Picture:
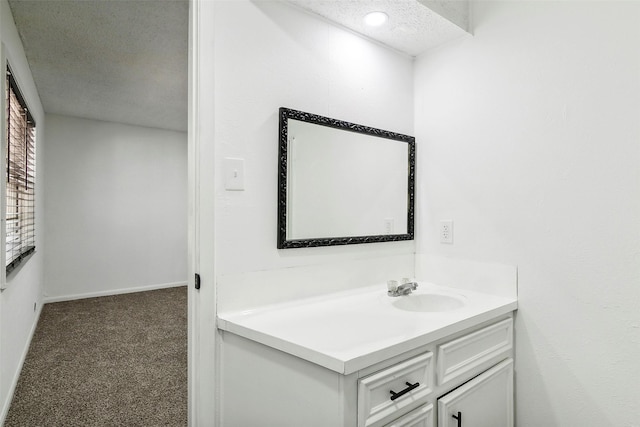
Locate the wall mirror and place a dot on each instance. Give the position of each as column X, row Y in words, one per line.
column 342, row 183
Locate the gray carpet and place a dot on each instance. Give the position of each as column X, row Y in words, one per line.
column 109, row 361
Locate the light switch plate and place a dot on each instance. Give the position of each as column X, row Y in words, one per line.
column 233, row 170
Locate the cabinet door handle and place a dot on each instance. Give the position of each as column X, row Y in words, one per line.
column 410, row 387
column 459, row 418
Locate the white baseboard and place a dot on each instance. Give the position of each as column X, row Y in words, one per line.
column 48, row 299
column 16, row 376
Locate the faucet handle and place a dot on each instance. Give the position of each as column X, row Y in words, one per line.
column 411, row 282
column 392, row 285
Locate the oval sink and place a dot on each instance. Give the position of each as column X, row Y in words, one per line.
column 428, row 302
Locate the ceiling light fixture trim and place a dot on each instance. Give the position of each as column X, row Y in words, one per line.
column 376, row 19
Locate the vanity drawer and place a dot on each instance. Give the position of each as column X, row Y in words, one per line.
column 421, row 417
column 411, row 383
column 471, row 354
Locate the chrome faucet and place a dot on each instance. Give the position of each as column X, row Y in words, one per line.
column 405, row 288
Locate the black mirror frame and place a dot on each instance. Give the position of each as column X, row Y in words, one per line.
column 283, row 243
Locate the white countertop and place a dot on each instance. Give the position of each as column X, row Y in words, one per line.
column 348, row 331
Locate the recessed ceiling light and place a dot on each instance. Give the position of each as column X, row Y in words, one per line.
column 376, row 19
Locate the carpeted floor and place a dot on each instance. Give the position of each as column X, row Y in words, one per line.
column 109, row 361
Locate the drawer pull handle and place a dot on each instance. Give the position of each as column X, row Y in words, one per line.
column 410, row 387
column 459, row 418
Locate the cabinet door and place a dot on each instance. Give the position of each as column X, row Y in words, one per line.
column 485, row 401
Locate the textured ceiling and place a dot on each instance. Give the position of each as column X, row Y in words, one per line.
column 126, row 60
column 413, row 26
column 120, row 61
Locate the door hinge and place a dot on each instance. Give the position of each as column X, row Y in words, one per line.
column 197, row 281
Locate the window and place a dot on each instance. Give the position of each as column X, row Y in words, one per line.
column 21, row 176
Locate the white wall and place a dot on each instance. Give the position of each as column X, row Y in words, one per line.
column 115, row 213
column 265, row 55
column 529, row 140
column 25, row 284
column 269, row 55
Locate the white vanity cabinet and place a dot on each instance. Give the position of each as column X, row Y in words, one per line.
column 468, row 371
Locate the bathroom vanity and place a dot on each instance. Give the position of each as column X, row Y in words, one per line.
column 437, row 357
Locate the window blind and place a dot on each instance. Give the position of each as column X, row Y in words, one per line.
column 21, row 177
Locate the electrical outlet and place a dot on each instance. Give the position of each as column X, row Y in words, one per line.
column 388, row 226
column 446, row 231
